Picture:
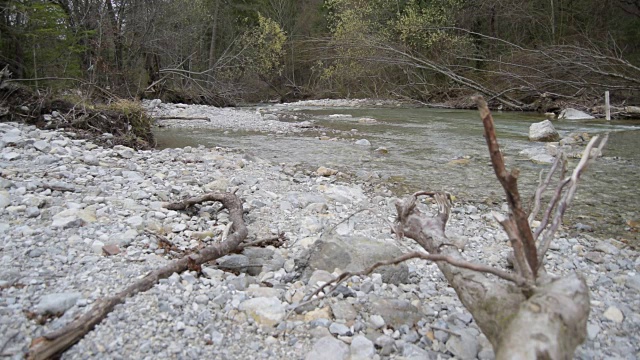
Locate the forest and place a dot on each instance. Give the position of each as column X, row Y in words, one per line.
column 523, row 55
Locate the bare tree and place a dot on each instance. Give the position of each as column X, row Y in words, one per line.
column 528, row 313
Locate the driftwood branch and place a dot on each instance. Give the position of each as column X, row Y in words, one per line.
column 537, row 318
column 588, row 156
column 181, row 118
column 509, row 182
column 55, row 343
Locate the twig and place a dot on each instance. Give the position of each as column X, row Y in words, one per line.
column 515, row 278
column 553, row 202
column 587, row 158
column 543, row 186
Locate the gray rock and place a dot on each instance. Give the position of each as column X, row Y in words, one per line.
column 376, row 321
column 464, row 347
column 361, row 348
column 354, row 254
column 363, row 142
column 344, row 311
column 47, row 159
column 61, row 186
column 10, row 156
column 543, row 159
column 234, row 262
column 339, row 329
column 413, row 352
column 57, row 303
column 179, row 228
column 264, row 310
column 328, row 348
column 592, row 331
column 614, row 314
column 90, row 160
column 543, row 131
column 42, row 145
column 136, row 222
column 574, row 114
column 4, row 199
column 123, row 151
column 607, row 248
column 66, row 222
column 32, row 212
column 132, row 175
column 396, row 312
column 633, row 282
column 344, row 194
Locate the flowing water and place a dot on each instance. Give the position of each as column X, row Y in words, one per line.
column 436, row 149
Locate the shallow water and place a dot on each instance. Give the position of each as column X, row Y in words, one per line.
column 422, row 142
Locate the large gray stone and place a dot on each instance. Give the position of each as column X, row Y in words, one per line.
column 464, row 347
column 543, row 131
column 396, row 312
column 57, row 303
column 361, row 348
column 328, row 348
column 574, row 114
column 4, row 199
column 355, row 253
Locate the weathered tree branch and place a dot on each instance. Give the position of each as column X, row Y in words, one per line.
column 509, row 183
column 55, row 343
column 572, row 182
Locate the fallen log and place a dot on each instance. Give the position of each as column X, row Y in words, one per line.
column 181, row 118
column 55, row 343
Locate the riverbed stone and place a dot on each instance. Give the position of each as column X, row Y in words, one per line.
column 354, row 253
column 57, row 303
column 465, row 346
column 574, row 114
column 324, row 171
column 264, row 310
column 543, row 131
column 328, row 348
column 396, row 312
column 5, row 200
column 614, row 314
column 361, row 348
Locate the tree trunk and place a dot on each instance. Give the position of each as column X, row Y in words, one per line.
column 214, row 35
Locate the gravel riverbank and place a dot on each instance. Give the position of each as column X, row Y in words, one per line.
column 79, row 222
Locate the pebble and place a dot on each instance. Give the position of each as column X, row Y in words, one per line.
column 614, row 314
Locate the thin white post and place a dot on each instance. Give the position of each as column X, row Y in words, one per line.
column 607, row 106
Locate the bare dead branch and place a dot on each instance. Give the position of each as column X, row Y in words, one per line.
column 543, row 186
column 509, row 182
column 587, row 157
column 515, row 278
column 181, row 118
column 54, row 343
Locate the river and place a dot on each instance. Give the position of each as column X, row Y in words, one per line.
column 438, row 149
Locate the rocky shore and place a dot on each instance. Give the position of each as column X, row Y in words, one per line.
column 79, row 222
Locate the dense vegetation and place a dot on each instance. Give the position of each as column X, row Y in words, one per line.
column 522, row 54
